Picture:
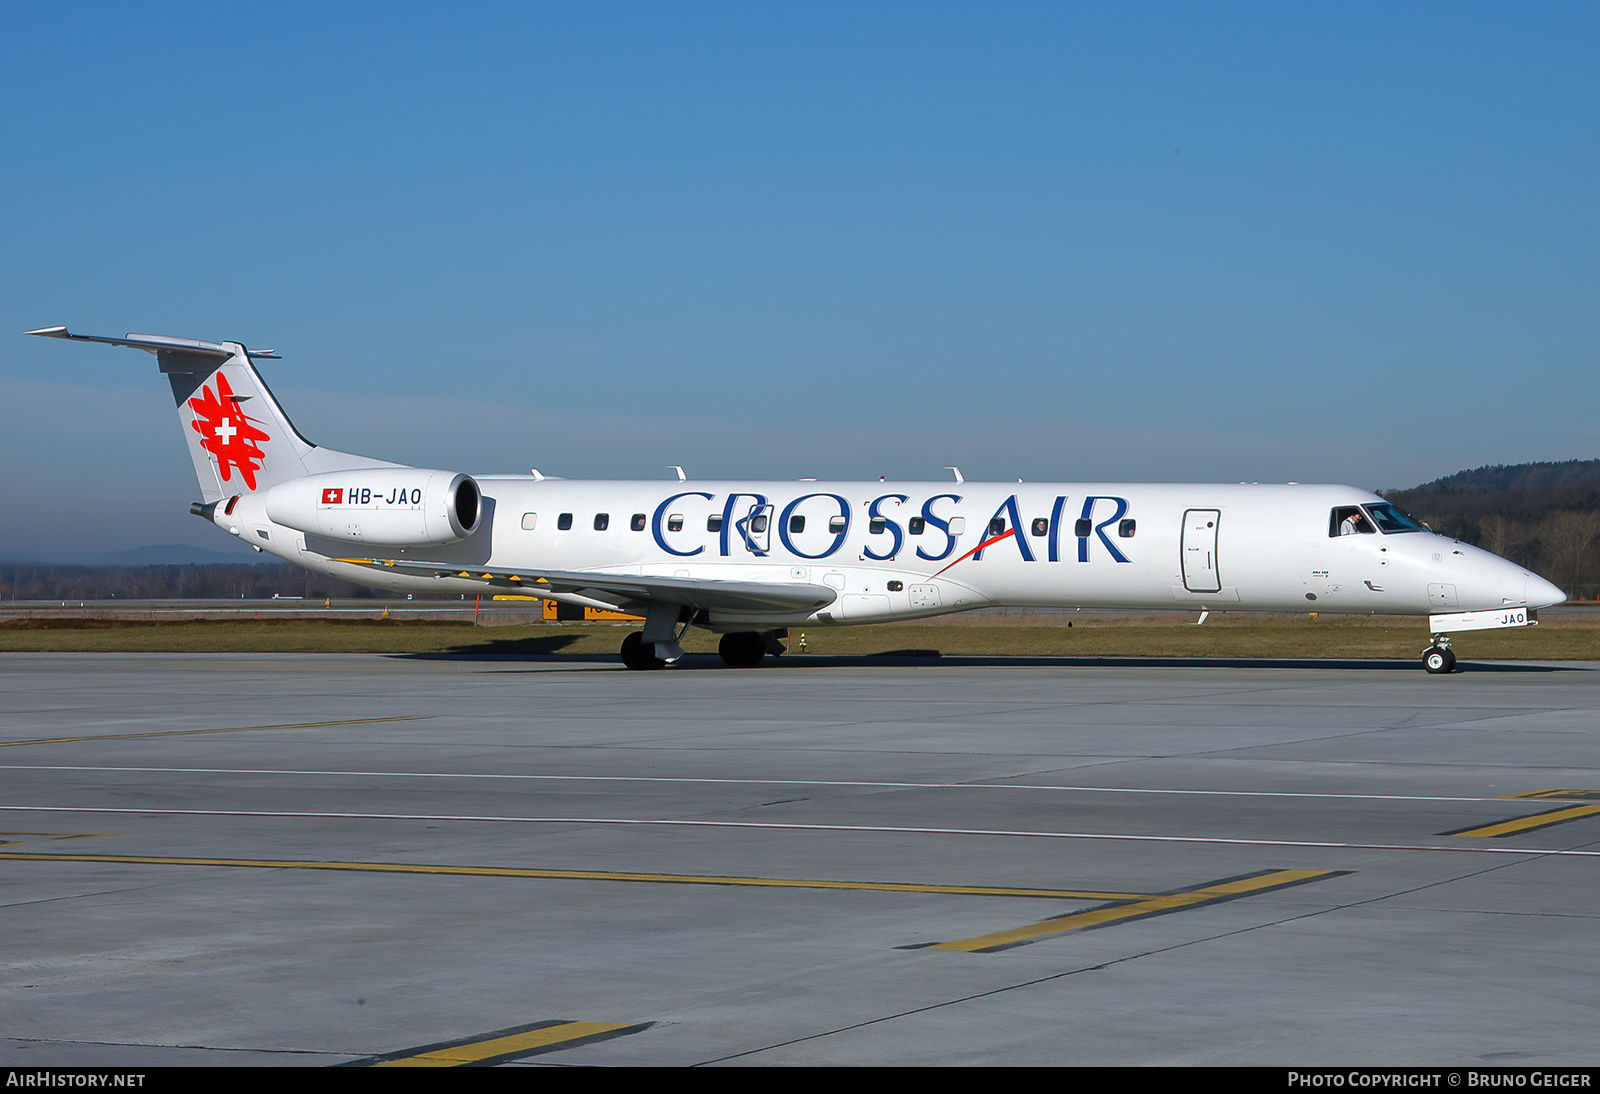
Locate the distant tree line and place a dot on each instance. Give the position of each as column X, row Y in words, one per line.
column 1545, row 516
column 209, row 581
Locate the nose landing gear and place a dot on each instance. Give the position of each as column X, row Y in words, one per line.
column 1439, row 658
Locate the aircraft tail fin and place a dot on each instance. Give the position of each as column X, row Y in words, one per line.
column 238, row 435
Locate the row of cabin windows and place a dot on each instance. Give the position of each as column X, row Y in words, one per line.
column 602, row 521
column 1082, row 528
column 1040, row 526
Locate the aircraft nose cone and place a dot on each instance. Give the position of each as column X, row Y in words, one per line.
column 1542, row 594
column 1491, row 582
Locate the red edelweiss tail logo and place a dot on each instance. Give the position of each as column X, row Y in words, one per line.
column 227, row 433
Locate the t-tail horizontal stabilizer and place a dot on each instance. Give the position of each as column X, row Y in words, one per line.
column 238, row 435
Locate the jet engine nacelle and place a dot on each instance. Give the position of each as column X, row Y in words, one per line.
column 395, row 507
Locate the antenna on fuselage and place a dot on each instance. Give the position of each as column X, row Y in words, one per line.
column 957, row 471
column 681, row 476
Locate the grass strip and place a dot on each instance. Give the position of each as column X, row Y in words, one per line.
column 1021, row 635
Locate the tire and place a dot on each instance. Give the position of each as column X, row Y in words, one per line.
column 1438, row 660
column 742, row 650
column 636, row 655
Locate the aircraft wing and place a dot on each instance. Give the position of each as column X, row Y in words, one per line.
column 624, row 591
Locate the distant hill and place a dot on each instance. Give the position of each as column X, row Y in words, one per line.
column 1523, row 491
column 1545, row 516
column 1517, row 476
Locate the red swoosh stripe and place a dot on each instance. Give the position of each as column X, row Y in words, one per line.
column 986, row 543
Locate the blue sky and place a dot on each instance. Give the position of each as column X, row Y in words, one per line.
column 1350, row 242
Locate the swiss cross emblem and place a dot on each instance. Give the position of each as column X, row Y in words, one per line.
column 333, row 495
column 227, row 433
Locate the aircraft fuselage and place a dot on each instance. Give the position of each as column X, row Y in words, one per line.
column 903, row 550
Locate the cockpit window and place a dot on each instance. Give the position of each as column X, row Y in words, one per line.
column 1349, row 520
column 1391, row 520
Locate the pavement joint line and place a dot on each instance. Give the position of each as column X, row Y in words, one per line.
column 884, row 784
column 582, row 875
column 47, row 837
column 195, row 732
column 502, row 1046
column 1128, row 837
column 1126, row 911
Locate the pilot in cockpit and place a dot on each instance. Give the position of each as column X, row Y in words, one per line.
column 1354, row 523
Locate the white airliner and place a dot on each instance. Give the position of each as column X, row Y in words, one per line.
column 749, row 560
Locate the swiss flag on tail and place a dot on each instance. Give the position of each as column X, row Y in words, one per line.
column 228, row 433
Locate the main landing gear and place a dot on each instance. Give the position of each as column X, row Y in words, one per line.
column 739, row 649
column 1439, row 658
column 637, row 655
column 742, row 649
column 747, row 649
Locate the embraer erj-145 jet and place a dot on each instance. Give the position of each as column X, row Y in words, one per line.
column 749, row 560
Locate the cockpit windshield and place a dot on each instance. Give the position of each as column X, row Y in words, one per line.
column 1391, row 520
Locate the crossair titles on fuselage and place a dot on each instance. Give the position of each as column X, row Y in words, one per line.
column 883, row 521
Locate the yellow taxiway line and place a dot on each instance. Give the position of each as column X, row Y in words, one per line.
column 502, row 1046
column 1137, row 908
column 1527, row 824
column 578, row 875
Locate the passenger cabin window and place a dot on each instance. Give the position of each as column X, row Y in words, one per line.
column 877, row 525
column 637, row 522
column 714, row 523
column 997, row 526
column 1083, row 527
column 675, row 522
column 1040, row 526
column 564, row 521
column 958, row 526
column 529, row 520
column 797, row 523
column 602, row 521
column 1126, row 528
column 915, row 525
column 835, row 524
